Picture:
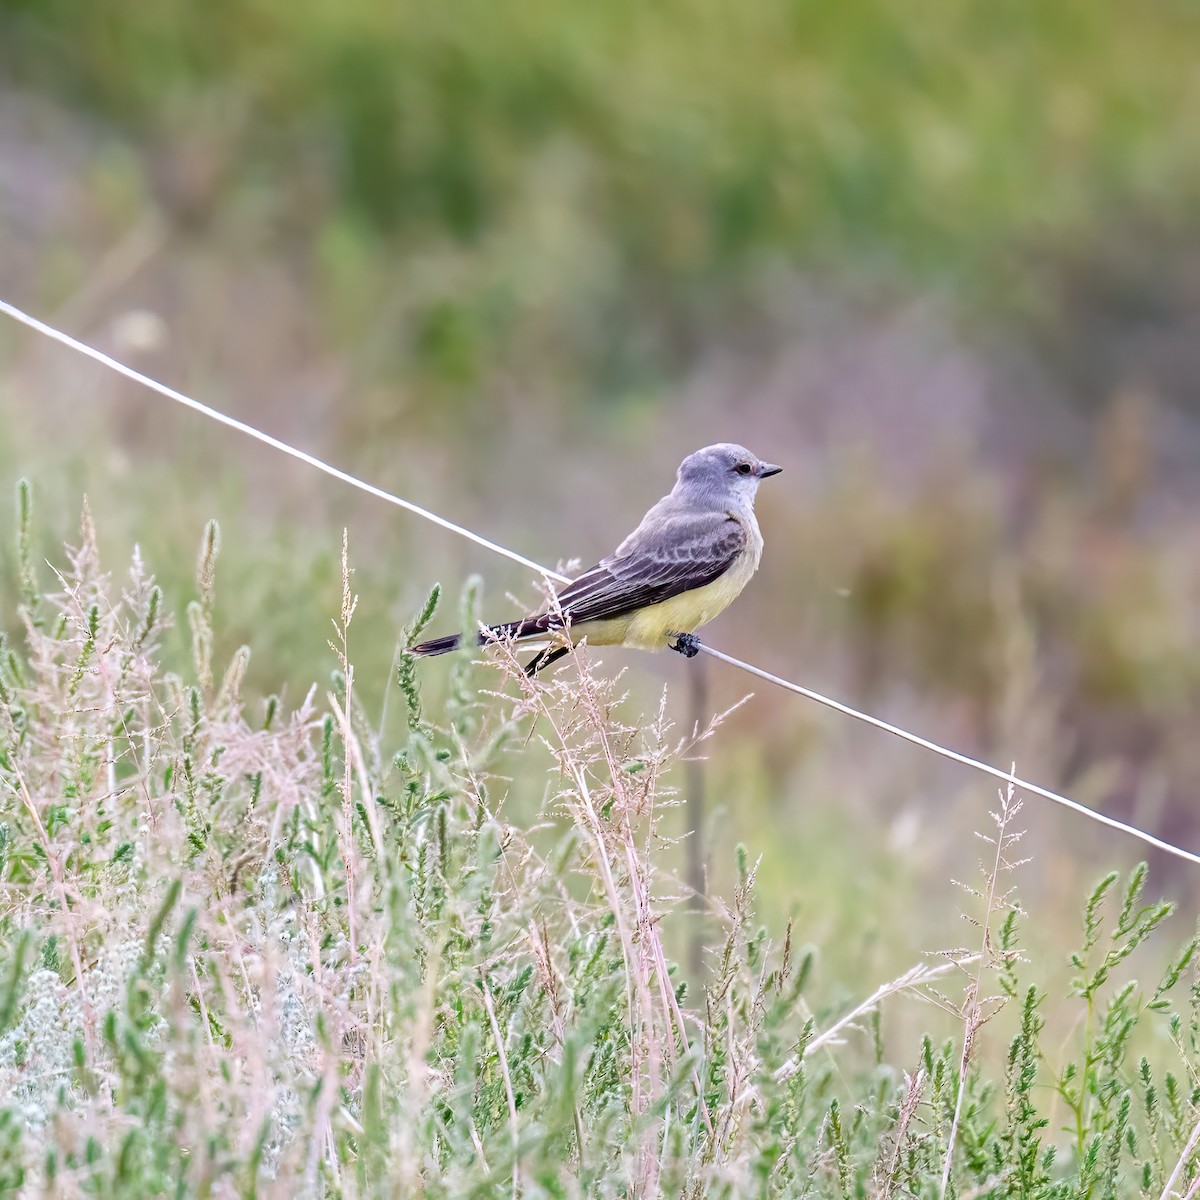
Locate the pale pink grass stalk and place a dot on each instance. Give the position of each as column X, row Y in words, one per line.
column 975, row 1014
column 913, row 980
column 1185, row 1156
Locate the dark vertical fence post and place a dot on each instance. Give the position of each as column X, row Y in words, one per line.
column 695, row 811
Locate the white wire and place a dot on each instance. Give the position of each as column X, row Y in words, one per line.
column 267, row 440
column 953, row 755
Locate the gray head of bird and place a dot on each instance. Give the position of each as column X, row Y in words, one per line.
column 723, row 474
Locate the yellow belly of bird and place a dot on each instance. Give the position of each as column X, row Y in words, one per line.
column 651, row 628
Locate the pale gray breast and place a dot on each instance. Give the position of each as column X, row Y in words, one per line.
column 754, row 539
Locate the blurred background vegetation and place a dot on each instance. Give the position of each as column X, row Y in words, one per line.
column 513, row 261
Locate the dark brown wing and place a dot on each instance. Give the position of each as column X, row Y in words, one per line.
column 664, row 556
column 663, row 559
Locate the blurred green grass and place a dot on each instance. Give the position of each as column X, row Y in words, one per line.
column 701, row 143
column 472, row 250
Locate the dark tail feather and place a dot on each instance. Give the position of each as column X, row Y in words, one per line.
column 515, row 629
column 544, row 658
column 442, row 645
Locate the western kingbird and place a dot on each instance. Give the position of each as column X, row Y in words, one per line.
column 689, row 558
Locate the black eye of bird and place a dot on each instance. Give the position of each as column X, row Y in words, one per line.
column 743, row 468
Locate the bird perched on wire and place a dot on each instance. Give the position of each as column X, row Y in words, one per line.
column 693, row 553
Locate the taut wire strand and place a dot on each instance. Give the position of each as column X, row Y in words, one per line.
column 267, row 440
column 113, row 364
column 953, row 755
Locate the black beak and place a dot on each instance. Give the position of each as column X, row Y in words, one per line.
column 768, row 469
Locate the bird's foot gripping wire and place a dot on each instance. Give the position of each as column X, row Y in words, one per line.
column 688, row 644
